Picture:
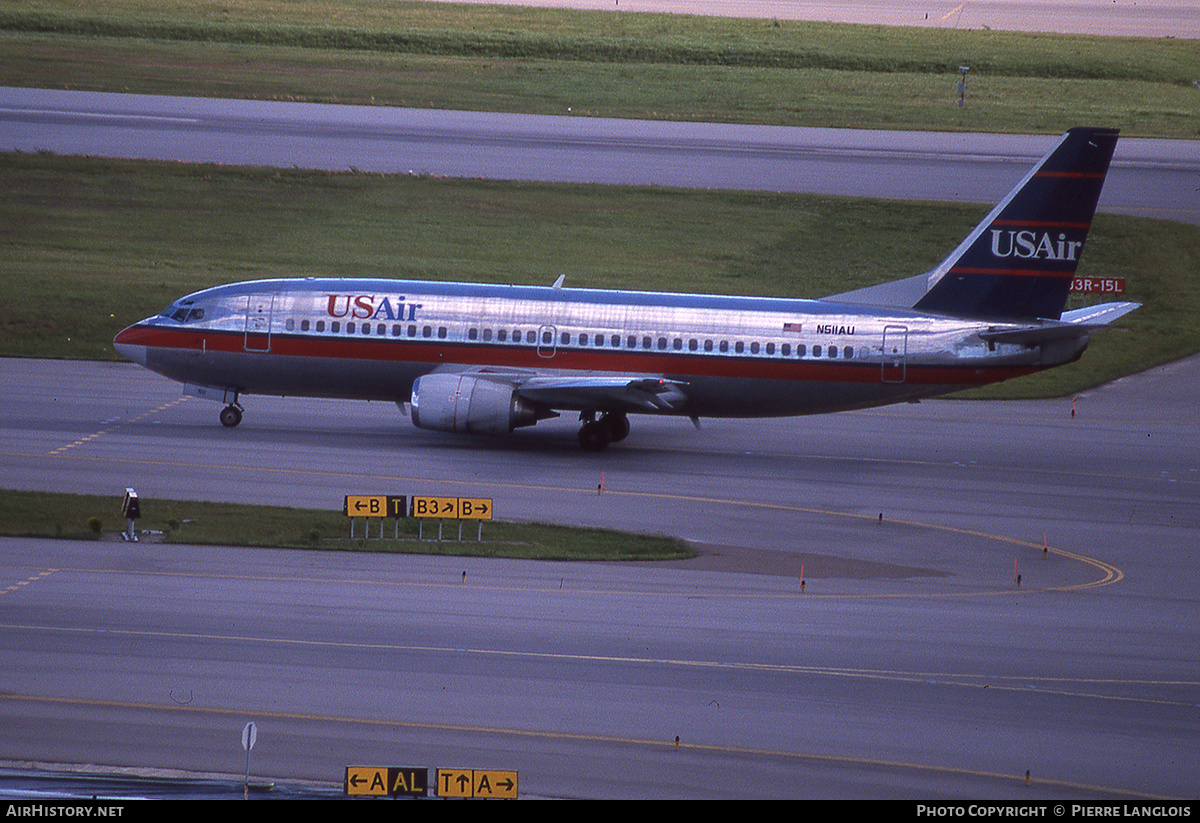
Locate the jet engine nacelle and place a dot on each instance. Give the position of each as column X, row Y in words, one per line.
column 461, row 403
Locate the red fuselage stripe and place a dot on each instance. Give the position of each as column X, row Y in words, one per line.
column 526, row 356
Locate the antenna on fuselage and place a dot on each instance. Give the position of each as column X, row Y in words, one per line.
column 558, row 284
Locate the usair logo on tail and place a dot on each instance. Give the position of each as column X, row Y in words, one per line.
column 1029, row 245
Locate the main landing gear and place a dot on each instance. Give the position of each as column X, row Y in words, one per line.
column 595, row 435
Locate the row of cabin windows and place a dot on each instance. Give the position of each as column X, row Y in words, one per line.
column 646, row 342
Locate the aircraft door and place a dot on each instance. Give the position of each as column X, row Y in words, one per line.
column 895, row 354
column 259, row 311
column 547, row 341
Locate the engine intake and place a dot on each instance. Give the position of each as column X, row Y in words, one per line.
column 461, row 403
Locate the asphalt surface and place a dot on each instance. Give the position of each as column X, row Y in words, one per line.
column 909, row 662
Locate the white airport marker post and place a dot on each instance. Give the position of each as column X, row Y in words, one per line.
column 249, row 736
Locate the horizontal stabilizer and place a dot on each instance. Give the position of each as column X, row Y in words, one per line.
column 1100, row 315
column 1075, row 324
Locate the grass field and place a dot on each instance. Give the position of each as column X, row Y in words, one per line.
column 503, row 58
column 84, row 517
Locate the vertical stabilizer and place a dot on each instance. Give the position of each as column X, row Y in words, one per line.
column 1019, row 262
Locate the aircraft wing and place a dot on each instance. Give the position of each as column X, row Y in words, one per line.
column 589, row 390
column 603, row 391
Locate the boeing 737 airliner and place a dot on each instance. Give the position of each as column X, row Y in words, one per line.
column 490, row 359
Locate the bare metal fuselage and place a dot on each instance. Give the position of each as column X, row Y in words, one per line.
column 729, row 356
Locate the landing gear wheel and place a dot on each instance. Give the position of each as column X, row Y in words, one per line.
column 618, row 426
column 231, row 416
column 594, row 436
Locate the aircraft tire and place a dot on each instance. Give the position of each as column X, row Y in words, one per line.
column 618, row 426
column 231, row 416
column 594, row 436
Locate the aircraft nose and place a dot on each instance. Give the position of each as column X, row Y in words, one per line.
column 127, row 346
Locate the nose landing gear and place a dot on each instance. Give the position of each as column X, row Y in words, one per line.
column 231, row 415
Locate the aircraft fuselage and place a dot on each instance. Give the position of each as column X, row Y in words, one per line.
column 737, row 356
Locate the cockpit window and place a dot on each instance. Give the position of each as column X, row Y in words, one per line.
column 185, row 313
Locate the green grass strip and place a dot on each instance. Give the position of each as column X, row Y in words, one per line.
column 91, row 517
column 541, row 34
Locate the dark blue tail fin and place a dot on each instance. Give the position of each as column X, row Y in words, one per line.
column 1019, row 262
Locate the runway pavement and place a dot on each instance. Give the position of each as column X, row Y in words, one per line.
column 910, row 664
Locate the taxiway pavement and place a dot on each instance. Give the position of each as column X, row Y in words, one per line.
column 910, row 664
